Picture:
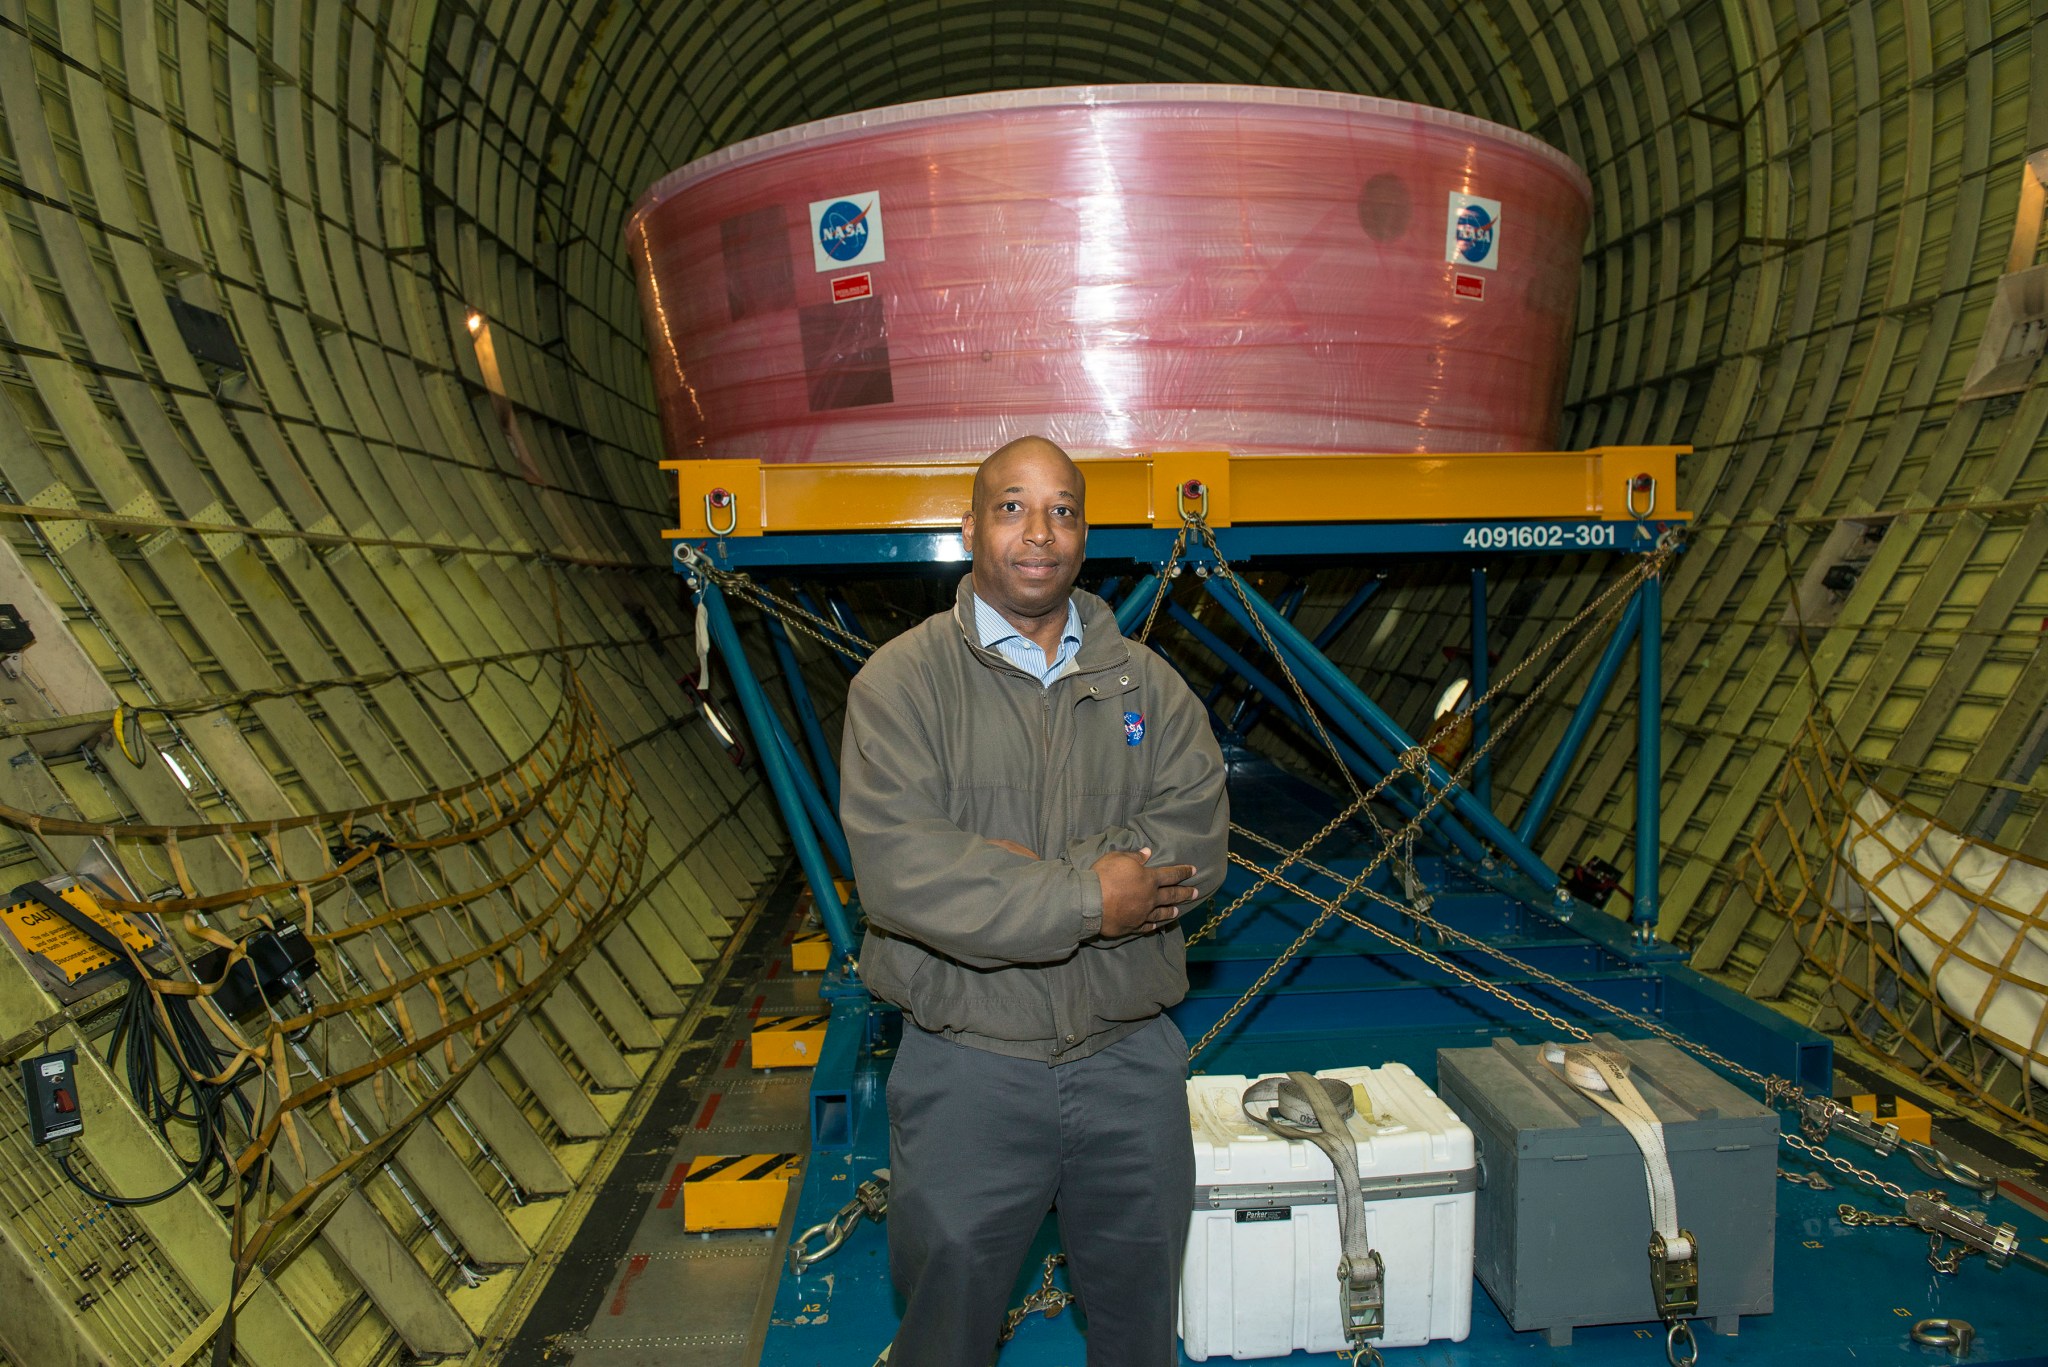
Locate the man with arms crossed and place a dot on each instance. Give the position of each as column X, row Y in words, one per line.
column 1032, row 802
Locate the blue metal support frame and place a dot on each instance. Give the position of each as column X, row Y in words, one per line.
column 1482, row 768
column 1290, row 604
column 1130, row 613
column 1648, row 903
column 839, row 655
column 806, row 711
column 1370, row 765
column 843, row 614
column 1305, row 658
column 1247, row 715
column 824, row 819
column 1581, row 723
column 770, row 742
column 1151, row 545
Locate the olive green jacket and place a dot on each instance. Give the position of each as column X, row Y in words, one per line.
column 948, row 745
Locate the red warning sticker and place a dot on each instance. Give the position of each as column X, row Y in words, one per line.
column 1466, row 286
column 847, row 288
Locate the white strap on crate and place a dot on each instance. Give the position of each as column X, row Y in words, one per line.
column 1602, row 1078
column 1302, row 1106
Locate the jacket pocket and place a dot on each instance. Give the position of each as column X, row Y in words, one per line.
column 1139, row 978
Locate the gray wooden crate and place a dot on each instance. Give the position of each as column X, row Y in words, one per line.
column 1563, row 1220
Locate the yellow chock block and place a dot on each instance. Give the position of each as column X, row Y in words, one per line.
column 807, row 905
column 810, row 953
column 738, row 1191
column 788, row 1041
column 1914, row 1123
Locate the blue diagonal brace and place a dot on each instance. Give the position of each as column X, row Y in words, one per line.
column 1369, row 765
column 761, row 722
column 1304, row 657
column 1581, row 724
column 806, row 711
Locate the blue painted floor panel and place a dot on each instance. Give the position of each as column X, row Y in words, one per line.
column 1843, row 1294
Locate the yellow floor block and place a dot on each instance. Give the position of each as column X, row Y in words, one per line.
column 788, row 1041
column 737, row 1191
column 1913, row 1123
column 810, row 953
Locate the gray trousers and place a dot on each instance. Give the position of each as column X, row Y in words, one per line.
column 981, row 1145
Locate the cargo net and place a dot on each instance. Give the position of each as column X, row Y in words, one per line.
column 437, row 923
column 1933, row 946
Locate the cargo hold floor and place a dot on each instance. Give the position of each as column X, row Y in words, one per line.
column 633, row 1289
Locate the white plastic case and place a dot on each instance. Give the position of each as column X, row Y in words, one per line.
column 1260, row 1278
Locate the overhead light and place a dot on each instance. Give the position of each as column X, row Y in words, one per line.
column 177, row 770
column 1452, row 696
column 475, row 322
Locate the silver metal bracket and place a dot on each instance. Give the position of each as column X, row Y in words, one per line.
column 1820, row 1116
column 1674, row 1282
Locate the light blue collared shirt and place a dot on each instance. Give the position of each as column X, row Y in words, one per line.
column 998, row 635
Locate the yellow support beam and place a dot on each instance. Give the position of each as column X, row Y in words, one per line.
column 750, row 498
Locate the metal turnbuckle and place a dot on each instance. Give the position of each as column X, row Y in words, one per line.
column 1819, row 1116
column 1364, row 1289
column 1954, row 1335
column 1674, row 1282
column 870, row 1201
column 1998, row 1243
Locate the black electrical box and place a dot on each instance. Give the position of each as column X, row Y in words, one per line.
column 15, row 636
column 278, row 960
column 51, row 1083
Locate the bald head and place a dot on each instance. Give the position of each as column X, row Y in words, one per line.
column 1035, row 452
column 1028, row 534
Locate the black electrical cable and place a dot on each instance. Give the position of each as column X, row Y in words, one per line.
column 140, row 1034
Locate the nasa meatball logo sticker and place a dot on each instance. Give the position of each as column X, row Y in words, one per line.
column 1134, row 727
column 847, row 230
column 1472, row 235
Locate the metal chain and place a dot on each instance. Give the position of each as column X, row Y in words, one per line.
column 1842, row 1165
column 1047, row 1300
column 1297, row 855
column 1229, row 577
column 870, row 1201
column 1652, row 564
column 1166, row 571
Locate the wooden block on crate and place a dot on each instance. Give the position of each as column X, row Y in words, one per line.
column 737, row 1191
column 788, row 1041
column 810, row 953
column 1913, row 1122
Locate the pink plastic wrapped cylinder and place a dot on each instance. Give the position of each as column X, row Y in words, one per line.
column 1122, row 268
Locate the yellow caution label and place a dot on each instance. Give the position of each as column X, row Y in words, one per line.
column 43, row 932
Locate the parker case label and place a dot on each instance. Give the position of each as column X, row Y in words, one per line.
column 1265, row 1215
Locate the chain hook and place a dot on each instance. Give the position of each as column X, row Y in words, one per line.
column 1680, row 1333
